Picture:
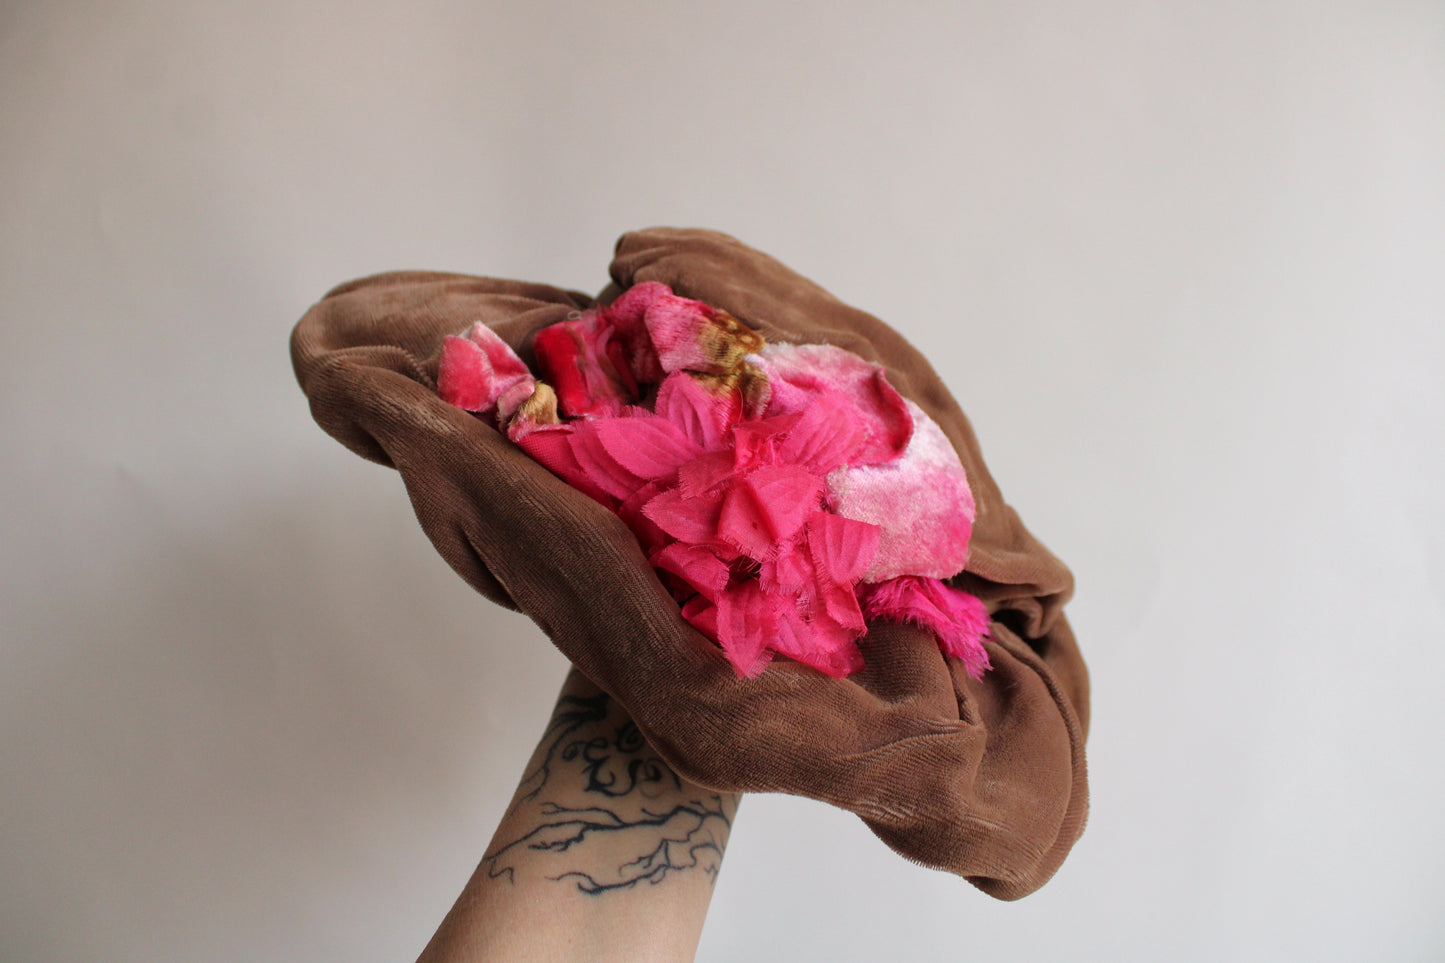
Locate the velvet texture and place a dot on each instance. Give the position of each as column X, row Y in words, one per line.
column 982, row 778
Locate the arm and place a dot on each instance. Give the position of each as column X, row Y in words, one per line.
column 604, row 852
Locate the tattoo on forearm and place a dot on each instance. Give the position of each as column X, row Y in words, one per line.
column 603, row 811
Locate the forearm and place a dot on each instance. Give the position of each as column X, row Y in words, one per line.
column 604, row 852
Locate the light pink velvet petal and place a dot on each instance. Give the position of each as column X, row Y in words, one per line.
column 513, row 398
column 921, row 503
column 479, row 369
column 504, row 361
column 648, row 446
column 630, row 308
column 799, row 373
column 960, row 620
column 465, row 377
column 676, row 326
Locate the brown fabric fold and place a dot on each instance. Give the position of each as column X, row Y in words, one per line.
column 985, row 779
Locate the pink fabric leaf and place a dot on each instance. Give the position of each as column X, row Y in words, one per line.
column 647, row 446
column 705, row 473
column 767, row 506
column 841, row 548
column 701, row 414
column 693, row 520
column 696, row 566
column 597, row 463
column 551, row 446
column 701, row 614
column 960, row 620
column 827, row 434
column 746, row 621
column 649, row 535
column 799, row 373
column 921, row 504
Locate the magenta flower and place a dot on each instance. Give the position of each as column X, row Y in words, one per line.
column 786, row 494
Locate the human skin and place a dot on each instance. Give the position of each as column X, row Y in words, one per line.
column 604, row 853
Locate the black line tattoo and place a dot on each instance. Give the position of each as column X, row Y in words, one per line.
column 600, row 792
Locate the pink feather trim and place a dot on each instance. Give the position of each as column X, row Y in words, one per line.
column 960, row 620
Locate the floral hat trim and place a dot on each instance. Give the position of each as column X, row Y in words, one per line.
column 786, row 494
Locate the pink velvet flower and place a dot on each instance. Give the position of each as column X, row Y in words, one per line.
column 787, row 494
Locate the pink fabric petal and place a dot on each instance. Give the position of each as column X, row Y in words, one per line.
column 631, row 511
column 696, row 566
column 745, row 620
column 756, row 442
column 647, row 446
column 706, row 473
column 960, row 620
column 828, row 434
column 840, row 603
column 921, row 504
column 597, row 463
column 551, row 446
column 767, row 506
column 615, row 351
column 841, row 548
column 801, row 372
column 829, row 648
column 703, row 416
column 693, row 520
column 701, row 615
column 790, row 572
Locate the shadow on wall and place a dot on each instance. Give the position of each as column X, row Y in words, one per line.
column 248, row 706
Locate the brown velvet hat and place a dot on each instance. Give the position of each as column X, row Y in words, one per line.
column 983, row 778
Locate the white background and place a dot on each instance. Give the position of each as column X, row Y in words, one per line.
column 1181, row 263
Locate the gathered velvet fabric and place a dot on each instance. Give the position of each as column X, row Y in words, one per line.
column 983, row 778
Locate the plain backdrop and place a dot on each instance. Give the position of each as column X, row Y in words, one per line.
column 1182, row 263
